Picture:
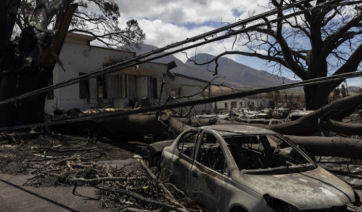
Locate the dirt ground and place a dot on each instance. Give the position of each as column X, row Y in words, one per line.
column 15, row 197
column 19, row 158
column 38, row 174
column 31, row 171
column 68, row 173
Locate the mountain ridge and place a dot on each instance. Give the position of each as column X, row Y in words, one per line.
column 230, row 72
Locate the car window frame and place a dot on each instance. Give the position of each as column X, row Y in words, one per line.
column 299, row 150
column 257, row 139
column 196, row 142
column 285, row 139
column 197, row 150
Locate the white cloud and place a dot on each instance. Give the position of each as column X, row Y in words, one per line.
column 185, row 11
column 357, row 82
column 165, row 22
column 159, row 33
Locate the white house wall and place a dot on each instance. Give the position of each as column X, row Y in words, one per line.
column 188, row 87
column 52, row 104
column 78, row 57
column 142, row 87
column 159, row 70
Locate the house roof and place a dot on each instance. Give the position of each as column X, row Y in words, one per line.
column 76, row 36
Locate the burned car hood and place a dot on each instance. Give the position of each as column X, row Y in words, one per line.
column 314, row 189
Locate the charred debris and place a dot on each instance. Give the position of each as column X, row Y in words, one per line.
column 88, row 153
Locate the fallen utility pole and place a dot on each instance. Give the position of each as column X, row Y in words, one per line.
column 194, row 102
column 136, row 60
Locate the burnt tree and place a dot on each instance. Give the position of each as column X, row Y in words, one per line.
column 27, row 58
column 322, row 41
column 167, row 125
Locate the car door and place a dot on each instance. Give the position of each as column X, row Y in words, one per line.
column 208, row 172
column 182, row 160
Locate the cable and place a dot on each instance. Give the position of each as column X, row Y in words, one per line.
column 136, row 60
column 194, row 102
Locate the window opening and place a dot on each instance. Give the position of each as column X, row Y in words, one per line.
column 263, row 152
column 154, row 87
column 233, row 104
column 84, row 88
column 211, row 154
column 101, row 87
column 187, row 143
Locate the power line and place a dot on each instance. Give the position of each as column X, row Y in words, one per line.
column 194, row 102
column 136, row 60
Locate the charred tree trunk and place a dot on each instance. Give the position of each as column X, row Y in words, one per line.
column 8, row 11
column 315, row 98
column 133, row 124
column 330, row 146
column 325, row 146
column 28, row 64
column 320, row 146
column 162, row 125
column 153, row 123
column 321, row 120
column 26, row 111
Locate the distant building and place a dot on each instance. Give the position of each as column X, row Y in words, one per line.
column 125, row 88
column 244, row 103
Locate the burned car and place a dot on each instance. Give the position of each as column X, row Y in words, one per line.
column 243, row 168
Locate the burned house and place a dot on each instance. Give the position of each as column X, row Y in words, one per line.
column 124, row 88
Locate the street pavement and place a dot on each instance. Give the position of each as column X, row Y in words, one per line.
column 14, row 197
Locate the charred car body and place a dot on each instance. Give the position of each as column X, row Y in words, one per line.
column 243, row 168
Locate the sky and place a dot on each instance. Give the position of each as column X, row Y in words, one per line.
column 166, row 22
